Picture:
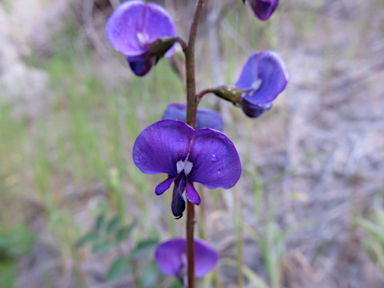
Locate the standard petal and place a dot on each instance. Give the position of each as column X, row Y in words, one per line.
column 125, row 28
column 192, row 195
column 205, row 258
column 178, row 202
column 249, row 72
column 169, row 256
column 215, row 160
column 263, row 9
column 160, row 146
column 158, row 23
column 205, row 118
column 176, row 111
column 254, row 111
column 164, row 186
column 264, row 76
column 141, row 65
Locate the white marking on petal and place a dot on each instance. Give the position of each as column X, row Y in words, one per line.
column 180, row 166
column 142, row 38
column 256, row 84
column 185, row 166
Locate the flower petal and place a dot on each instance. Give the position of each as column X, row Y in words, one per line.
column 205, row 258
column 263, row 9
column 171, row 257
column 142, row 64
column 168, row 256
column 160, row 146
column 134, row 24
column 159, row 24
column 164, row 186
column 264, row 76
column 254, row 111
column 178, row 202
column 205, row 118
column 215, row 160
column 126, row 26
column 192, row 195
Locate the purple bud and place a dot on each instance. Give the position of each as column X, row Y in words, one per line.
column 254, row 111
column 263, row 78
column 171, row 257
column 131, row 29
column 263, row 9
column 141, row 65
column 205, row 118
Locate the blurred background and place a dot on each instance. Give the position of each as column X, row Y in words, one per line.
column 308, row 209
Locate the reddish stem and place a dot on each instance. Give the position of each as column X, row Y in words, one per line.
column 191, row 120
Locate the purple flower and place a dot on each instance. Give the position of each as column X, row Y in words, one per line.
column 264, row 76
column 132, row 28
column 263, row 9
column 171, row 257
column 205, row 156
column 204, row 119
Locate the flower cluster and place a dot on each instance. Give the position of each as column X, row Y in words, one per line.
column 144, row 33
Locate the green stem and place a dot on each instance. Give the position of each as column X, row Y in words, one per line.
column 228, row 93
column 191, row 120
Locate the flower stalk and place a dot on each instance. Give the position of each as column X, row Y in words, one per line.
column 191, row 120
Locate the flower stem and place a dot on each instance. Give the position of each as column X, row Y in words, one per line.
column 191, row 120
column 190, row 67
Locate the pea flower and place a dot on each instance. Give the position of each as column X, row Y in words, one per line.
column 264, row 76
column 171, row 257
column 205, row 118
column 133, row 30
column 205, row 156
column 263, row 9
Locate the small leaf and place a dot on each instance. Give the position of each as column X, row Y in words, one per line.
column 118, row 268
column 8, row 274
column 17, row 242
column 99, row 221
column 150, row 275
column 144, row 248
column 102, row 247
column 87, row 238
column 124, row 232
column 113, row 225
column 176, row 284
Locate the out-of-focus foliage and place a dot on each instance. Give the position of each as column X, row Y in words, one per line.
column 13, row 244
column 374, row 242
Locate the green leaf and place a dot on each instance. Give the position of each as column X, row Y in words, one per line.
column 8, row 274
column 144, row 248
column 123, row 233
column 118, row 268
column 176, row 284
column 16, row 242
column 102, row 247
column 100, row 221
column 113, row 225
column 91, row 237
column 150, row 275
